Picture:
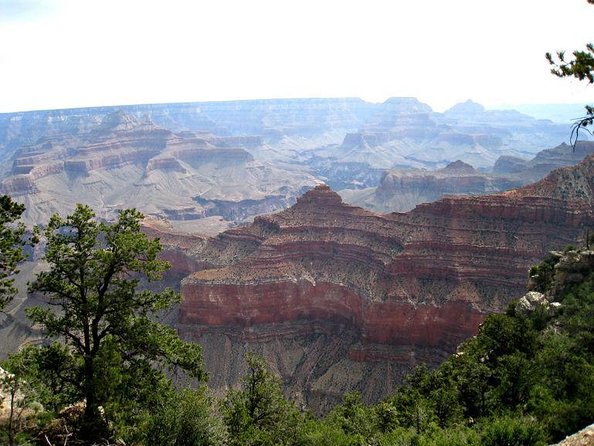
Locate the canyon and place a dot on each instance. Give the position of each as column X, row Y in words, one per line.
column 339, row 298
column 126, row 162
column 336, row 297
column 222, row 163
column 400, row 190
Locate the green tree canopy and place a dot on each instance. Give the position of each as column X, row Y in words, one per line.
column 11, row 246
column 581, row 67
column 258, row 413
column 95, row 304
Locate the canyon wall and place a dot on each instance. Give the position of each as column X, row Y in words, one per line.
column 124, row 161
column 378, row 293
column 400, row 190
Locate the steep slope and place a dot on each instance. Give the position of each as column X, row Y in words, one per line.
column 544, row 161
column 400, row 190
column 341, row 298
column 404, row 132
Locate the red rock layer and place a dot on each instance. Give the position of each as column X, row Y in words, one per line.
column 420, row 280
column 394, row 323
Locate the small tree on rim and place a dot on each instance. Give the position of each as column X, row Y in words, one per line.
column 92, row 285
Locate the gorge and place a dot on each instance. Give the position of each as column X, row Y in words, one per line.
column 338, row 298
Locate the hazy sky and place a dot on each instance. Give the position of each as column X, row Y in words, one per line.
column 60, row 53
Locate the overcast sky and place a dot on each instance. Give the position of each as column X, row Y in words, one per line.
column 60, row 53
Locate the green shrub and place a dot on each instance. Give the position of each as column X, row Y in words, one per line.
column 512, row 431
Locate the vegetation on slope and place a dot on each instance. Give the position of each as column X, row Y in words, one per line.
column 527, row 378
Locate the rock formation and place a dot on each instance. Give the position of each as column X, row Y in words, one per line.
column 401, row 132
column 543, row 162
column 341, row 298
column 400, row 190
column 125, row 161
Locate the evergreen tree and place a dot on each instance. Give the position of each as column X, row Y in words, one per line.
column 11, row 246
column 581, row 66
column 258, row 413
column 95, row 305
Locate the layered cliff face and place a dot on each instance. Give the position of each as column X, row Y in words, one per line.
column 543, row 162
column 128, row 162
column 341, row 298
column 400, row 190
column 345, row 142
column 406, row 133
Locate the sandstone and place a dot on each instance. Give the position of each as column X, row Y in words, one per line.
column 400, row 190
column 415, row 282
column 126, row 161
column 585, row 437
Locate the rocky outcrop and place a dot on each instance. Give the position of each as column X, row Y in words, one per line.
column 400, row 190
column 544, row 161
column 585, row 437
column 394, row 285
column 510, row 165
column 243, row 209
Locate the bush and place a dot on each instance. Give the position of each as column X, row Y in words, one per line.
column 187, row 419
column 508, row 431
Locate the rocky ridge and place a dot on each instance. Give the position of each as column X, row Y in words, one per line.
column 319, row 132
column 325, row 289
column 128, row 162
column 406, row 133
column 400, row 190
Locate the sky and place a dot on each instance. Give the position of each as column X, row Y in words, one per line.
column 77, row 53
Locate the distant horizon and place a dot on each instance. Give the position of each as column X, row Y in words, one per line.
column 530, row 109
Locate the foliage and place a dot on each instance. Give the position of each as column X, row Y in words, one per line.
column 11, row 246
column 187, row 418
column 258, row 413
column 512, row 431
column 581, row 67
column 542, row 274
column 354, row 418
column 51, row 371
column 118, row 353
column 20, row 398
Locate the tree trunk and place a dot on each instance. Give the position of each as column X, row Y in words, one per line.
column 11, row 433
column 93, row 426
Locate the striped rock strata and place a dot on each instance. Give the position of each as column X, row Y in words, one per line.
column 340, row 298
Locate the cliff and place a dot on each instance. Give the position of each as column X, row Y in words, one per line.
column 329, row 136
column 400, row 190
column 543, row 162
column 342, row 298
column 407, row 133
column 125, row 161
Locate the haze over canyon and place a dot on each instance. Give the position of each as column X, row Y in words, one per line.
column 346, row 241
